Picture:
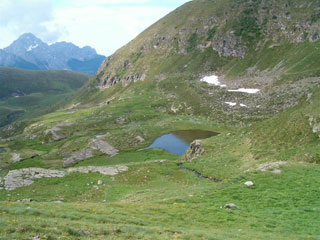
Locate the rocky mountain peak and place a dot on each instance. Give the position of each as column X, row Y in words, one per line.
column 29, row 52
column 24, row 44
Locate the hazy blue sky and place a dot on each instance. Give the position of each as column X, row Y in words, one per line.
column 105, row 25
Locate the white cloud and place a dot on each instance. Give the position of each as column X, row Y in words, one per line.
column 103, row 24
column 107, row 29
column 18, row 17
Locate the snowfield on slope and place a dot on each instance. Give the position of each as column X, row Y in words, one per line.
column 213, row 79
column 246, row 90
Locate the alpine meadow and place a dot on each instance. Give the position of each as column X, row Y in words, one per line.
column 237, row 81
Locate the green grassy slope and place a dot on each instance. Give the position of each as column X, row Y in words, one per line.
column 276, row 132
column 25, row 94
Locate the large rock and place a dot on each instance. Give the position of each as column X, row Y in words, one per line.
column 78, row 156
column 139, row 139
column 109, row 171
column 230, row 206
column 24, row 177
column 103, row 147
column 94, row 144
column 194, row 151
column 15, row 157
column 249, row 183
column 53, row 132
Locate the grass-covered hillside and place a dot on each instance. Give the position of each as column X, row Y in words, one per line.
column 25, row 94
column 80, row 172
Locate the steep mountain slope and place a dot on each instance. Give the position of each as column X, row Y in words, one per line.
column 263, row 102
column 253, row 44
column 226, row 33
column 60, row 55
column 25, row 94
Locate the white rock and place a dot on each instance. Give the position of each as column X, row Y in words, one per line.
column 230, row 206
column 249, row 184
column 140, row 139
column 100, row 182
column 15, row 157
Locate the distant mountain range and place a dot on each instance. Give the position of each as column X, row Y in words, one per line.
column 29, row 52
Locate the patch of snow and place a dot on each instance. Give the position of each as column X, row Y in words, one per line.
column 32, row 47
column 246, row 90
column 231, row 103
column 213, row 80
column 243, row 105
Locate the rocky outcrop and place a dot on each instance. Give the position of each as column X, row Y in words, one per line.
column 272, row 167
column 24, row 177
column 194, row 151
column 120, row 120
column 109, row 171
column 87, row 152
column 315, row 125
column 103, row 147
column 121, row 72
column 228, row 45
column 139, row 139
column 15, row 157
column 53, row 132
column 78, row 156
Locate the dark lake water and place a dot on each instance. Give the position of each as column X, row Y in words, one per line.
column 177, row 142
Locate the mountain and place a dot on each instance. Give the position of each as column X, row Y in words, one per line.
column 29, row 52
column 245, row 70
column 7, row 59
column 26, row 94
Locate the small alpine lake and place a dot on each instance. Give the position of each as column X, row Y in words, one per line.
column 177, row 142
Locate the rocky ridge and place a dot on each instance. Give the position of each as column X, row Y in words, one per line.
column 25, row 177
column 229, row 34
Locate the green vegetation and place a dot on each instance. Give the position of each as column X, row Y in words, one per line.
column 272, row 139
column 247, row 27
column 211, row 33
column 25, row 94
column 192, row 42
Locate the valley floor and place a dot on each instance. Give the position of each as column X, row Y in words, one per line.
column 155, row 198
